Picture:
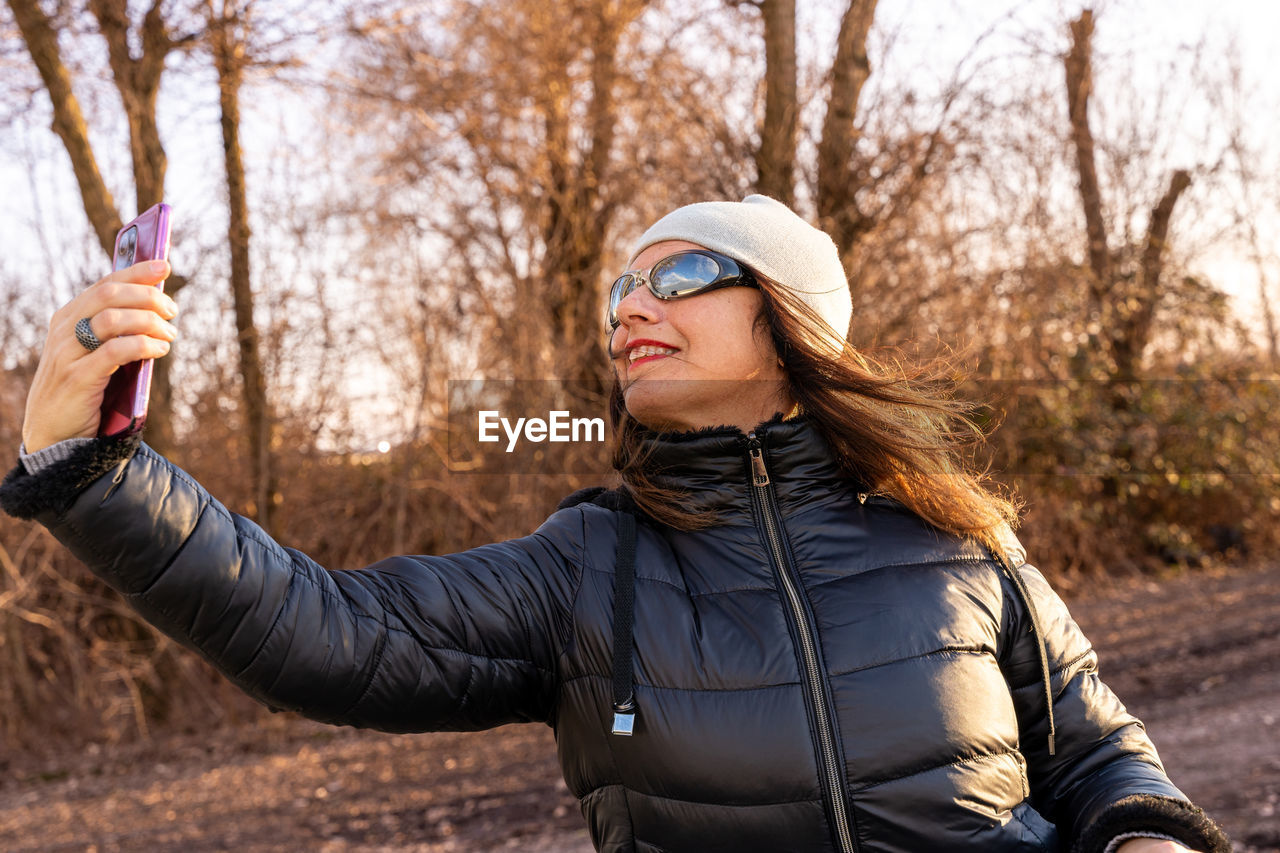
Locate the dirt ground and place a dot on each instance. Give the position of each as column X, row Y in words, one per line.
column 1197, row 656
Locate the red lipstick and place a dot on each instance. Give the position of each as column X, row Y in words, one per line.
column 641, row 342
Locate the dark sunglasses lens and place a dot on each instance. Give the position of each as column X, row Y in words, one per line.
column 683, row 274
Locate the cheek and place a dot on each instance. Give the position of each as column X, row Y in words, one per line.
column 764, row 346
column 616, row 359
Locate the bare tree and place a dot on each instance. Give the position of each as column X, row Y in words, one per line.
column 861, row 185
column 1079, row 68
column 41, row 38
column 776, row 156
column 578, row 213
column 838, row 178
column 1125, row 283
column 228, row 20
column 837, row 181
column 530, row 128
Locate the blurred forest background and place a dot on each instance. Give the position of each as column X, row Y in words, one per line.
column 372, row 199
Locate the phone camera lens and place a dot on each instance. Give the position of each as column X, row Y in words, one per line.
column 127, row 251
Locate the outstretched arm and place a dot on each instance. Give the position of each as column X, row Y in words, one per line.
column 464, row 641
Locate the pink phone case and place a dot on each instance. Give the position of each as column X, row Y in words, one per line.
column 124, row 404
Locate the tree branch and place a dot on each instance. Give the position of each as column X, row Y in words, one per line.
column 1134, row 330
column 68, row 121
column 138, row 82
column 1158, row 230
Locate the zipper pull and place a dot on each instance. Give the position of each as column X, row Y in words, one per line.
column 115, row 481
column 759, row 473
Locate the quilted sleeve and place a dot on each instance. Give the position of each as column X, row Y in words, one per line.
column 1104, row 778
column 414, row 643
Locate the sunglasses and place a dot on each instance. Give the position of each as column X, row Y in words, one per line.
column 679, row 275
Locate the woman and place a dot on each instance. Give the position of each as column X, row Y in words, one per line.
column 740, row 649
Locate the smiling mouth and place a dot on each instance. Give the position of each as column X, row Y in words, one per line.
column 647, row 352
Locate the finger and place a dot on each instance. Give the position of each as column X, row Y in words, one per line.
column 146, row 273
column 143, row 272
column 124, row 350
column 118, row 294
column 132, row 287
column 118, row 322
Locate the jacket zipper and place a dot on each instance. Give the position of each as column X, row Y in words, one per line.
column 115, row 481
column 832, row 781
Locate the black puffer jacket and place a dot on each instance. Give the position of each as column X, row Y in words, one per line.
column 815, row 673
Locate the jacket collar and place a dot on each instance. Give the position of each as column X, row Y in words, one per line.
column 713, row 465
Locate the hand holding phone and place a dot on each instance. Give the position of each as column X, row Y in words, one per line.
column 127, row 316
column 124, row 403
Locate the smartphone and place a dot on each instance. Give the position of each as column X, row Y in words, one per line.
column 124, row 405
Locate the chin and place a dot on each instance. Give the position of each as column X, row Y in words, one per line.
column 656, row 407
column 657, row 419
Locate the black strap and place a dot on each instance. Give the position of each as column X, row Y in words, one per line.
column 624, row 604
column 624, row 599
column 1037, row 633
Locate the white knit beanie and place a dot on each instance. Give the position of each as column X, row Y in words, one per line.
column 771, row 239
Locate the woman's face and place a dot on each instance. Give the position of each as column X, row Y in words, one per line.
column 698, row 361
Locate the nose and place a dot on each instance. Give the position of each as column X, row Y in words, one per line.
column 639, row 306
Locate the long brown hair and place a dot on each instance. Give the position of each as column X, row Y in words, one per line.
column 893, row 426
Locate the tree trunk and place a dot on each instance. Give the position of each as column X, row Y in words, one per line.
column 1269, row 320
column 775, row 158
column 228, row 48
column 138, row 82
column 577, row 216
column 1123, row 305
column 68, row 122
column 1079, row 68
column 837, row 183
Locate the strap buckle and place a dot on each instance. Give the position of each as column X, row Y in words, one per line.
column 624, row 719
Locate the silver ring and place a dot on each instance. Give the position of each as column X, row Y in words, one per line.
column 85, row 335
